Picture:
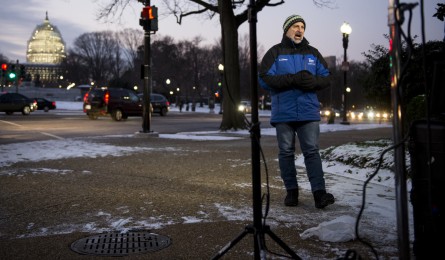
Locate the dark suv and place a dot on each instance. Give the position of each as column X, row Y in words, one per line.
column 159, row 103
column 118, row 102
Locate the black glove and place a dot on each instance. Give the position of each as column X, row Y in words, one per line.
column 304, row 80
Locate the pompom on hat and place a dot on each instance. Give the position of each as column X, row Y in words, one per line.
column 291, row 20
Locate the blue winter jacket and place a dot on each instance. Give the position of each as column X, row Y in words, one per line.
column 293, row 94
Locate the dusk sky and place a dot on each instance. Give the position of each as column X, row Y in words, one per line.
column 368, row 19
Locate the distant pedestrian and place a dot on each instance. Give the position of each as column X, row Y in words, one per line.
column 181, row 104
column 292, row 71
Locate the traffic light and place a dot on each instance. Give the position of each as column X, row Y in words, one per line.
column 11, row 73
column 149, row 18
column 4, row 69
column 22, row 72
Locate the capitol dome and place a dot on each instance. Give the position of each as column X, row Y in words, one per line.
column 46, row 45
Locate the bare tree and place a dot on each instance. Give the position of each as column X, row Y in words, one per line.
column 3, row 58
column 99, row 52
column 74, row 69
column 167, row 63
column 117, row 64
column 130, row 40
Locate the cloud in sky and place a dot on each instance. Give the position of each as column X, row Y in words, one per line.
column 368, row 19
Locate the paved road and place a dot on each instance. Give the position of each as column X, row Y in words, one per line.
column 60, row 124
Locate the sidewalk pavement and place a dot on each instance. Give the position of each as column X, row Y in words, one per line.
column 197, row 193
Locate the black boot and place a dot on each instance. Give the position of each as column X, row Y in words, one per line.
column 291, row 199
column 322, row 199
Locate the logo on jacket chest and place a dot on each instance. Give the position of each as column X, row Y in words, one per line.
column 311, row 62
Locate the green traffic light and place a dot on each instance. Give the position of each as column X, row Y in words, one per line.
column 11, row 75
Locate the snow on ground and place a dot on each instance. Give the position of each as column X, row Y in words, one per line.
column 346, row 180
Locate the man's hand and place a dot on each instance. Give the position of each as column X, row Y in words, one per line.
column 305, row 81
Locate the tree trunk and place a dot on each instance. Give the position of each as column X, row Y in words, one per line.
column 232, row 119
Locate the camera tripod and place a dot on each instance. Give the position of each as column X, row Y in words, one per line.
column 257, row 229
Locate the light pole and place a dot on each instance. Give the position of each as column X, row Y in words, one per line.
column 178, row 99
column 345, row 30
column 221, row 72
column 167, row 82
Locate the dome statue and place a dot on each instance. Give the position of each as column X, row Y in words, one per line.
column 46, row 45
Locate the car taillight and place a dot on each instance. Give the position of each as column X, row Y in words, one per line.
column 107, row 98
column 168, row 103
column 85, row 98
column 53, row 103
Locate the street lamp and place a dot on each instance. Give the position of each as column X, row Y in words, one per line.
column 345, row 30
column 168, row 81
column 178, row 101
column 221, row 72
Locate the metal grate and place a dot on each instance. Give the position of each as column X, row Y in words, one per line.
column 120, row 244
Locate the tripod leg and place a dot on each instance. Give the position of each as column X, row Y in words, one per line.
column 281, row 243
column 232, row 243
column 260, row 245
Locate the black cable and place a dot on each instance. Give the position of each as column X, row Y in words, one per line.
column 250, row 128
column 266, row 196
column 428, row 91
column 410, row 46
column 364, row 194
column 401, row 8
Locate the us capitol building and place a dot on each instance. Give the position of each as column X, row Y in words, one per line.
column 44, row 56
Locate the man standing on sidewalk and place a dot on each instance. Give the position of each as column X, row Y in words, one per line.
column 292, row 71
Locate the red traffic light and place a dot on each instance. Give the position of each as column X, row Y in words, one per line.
column 149, row 18
column 147, row 13
column 4, row 66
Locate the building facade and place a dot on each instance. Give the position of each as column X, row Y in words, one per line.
column 45, row 53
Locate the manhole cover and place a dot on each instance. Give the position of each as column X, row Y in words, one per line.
column 120, row 244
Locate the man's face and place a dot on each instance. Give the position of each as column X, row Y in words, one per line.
column 296, row 32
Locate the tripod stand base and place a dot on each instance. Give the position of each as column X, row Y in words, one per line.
column 259, row 242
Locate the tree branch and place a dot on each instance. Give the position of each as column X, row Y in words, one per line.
column 260, row 4
column 275, row 4
column 179, row 12
column 113, row 8
column 179, row 19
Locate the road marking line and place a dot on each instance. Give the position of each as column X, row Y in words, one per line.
column 11, row 123
column 51, row 135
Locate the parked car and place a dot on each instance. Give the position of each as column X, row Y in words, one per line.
column 15, row 102
column 245, row 107
column 119, row 103
column 159, row 103
column 45, row 104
